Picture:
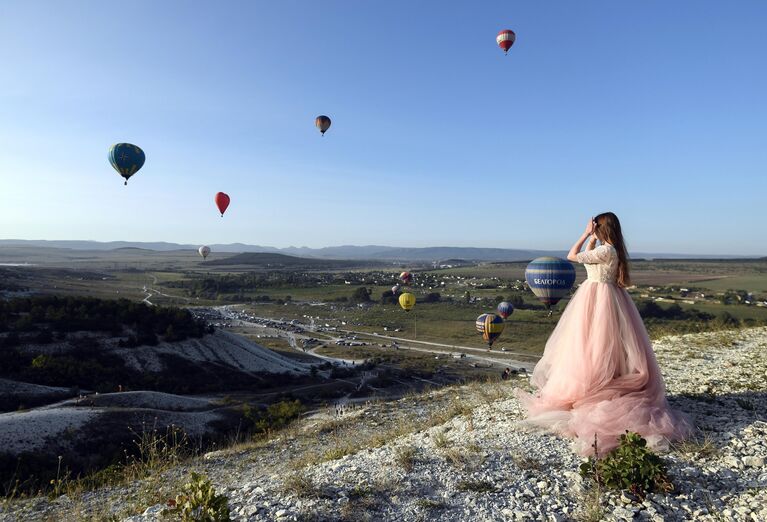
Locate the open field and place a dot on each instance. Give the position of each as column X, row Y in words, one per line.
column 714, row 275
column 325, row 297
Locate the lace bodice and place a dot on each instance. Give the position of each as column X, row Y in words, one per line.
column 601, row 264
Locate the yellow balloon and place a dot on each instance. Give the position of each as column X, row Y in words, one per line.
column 407, row 301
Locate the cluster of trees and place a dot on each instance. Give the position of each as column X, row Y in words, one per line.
column 7, row 283
column 652, row 310
column 43, row 319
column 388, row 297
column 518, row 301
column 89, row 367
column 273, row 417
column 211, row 287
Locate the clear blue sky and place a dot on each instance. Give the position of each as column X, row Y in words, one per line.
column 656, row 110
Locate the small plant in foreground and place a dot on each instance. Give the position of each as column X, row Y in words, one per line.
column 700, row 446
column 441, row 440
column 429, row 504
column 406, row 457
column 199, row 502
column 59, row 483
column 527, row 462
column 478, row 486
column 630, row 466
column 590, row 508
column 300, row 485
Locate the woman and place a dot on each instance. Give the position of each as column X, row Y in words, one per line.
column 598, row 374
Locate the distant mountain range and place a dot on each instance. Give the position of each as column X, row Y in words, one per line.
column 351, row 252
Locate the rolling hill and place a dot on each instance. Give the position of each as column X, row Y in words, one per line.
column 270, row 260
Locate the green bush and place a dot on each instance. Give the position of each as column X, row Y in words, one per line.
column 199, row 502
column 361, row 295
column 728, row 320
column 631, row 466
column 273, row 417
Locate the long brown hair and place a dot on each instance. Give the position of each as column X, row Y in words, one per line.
column 608, row 229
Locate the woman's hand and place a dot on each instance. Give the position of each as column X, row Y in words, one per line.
column 590, row 227
column 573, row 254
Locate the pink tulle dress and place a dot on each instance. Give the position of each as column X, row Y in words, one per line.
column 598, row 374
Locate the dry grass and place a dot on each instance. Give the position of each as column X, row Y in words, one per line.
column 348, row 439
column 428, row 504
column 527, row 463
column 300, row 485
column 590, row 507
column 339, row 451
column 440, row 440
column 700, row 446
column 406, row 457
column 456, row 458
column 360, row 510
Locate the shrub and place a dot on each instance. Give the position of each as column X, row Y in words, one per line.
column 274, row 417
column 631, row 466
column 388, row 297
column 199, row 502
column 406, row 457
column 361, row 295
column 728, row 320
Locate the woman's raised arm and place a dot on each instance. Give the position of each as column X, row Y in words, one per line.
column 573, row 254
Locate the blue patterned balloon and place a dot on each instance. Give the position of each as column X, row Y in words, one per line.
column 126, row 159
column 505, row 309
column 550, row 278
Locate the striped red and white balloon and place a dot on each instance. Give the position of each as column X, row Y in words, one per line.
column 505, row 39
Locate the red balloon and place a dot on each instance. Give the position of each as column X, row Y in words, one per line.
column 222, row 202
column 505, row 39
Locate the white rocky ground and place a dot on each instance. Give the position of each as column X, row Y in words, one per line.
column 219, row 348
column 33, row 430
column 15, row 387
column 457, row 454
column 148, row 399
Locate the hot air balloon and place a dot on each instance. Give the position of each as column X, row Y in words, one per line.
column 505, row 39
column 490, row 326
column 395, row 289
column 407, row 301
column 126, row 159
column 505, row 309
column 222, row 202
column 406, row 277
column 550, row 279
column 322, row 123
column 204, row 251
